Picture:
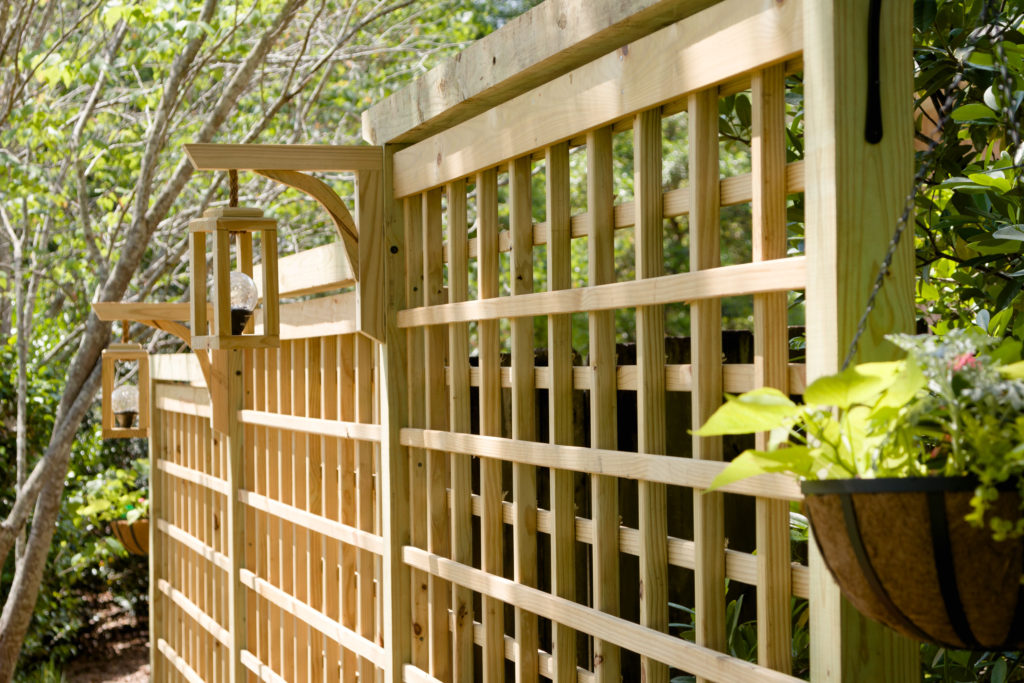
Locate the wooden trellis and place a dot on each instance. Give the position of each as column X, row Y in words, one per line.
column 405, row 492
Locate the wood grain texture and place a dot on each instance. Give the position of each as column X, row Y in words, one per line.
column 728, row 38
column 737, row 280
column 537, row 46
column 706, row 355
column 524, row 421
column 489, row 345
column 850, row 216
column 436, row 409
column 560, row 405
column 603, row 407
column 771, row 357
column 460, row 421
column 394, row 486
column 225, row 157
column 650, row 392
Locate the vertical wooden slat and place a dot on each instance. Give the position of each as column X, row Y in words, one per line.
column 286, row 495
column 491, row 526
column 650, row 393
column 524, row 406
column 275, row 466
column 851, row 209
column 603, row 420
column 436, row 413
column 261, row 529
column 560, row 418
column 771, row 357
column 458, row 359
column 363, row 388
column 157, row 549
column 301, row 535
column 417, row 456
column 314, row 503
column 252, row 529
column 394, row 492
column 349, row 504
column 706, row 363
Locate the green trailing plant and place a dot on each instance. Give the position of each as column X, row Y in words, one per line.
column 952, row 407
column 118, row 493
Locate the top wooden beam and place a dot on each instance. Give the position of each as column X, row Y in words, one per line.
column 215, row 157
column 544, row 43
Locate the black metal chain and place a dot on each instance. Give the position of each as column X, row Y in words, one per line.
column 925, row 170
column 232, row 187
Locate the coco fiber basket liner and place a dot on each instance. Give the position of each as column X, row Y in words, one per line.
column 134, row 536
column 903, row 554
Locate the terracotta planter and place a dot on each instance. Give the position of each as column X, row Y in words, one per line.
column 903, row 554
column 134, row 536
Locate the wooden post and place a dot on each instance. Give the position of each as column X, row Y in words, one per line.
column 236, row 511
column 394, row 490
column 852, row 207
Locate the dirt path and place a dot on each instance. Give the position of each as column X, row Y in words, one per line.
column 116, row 652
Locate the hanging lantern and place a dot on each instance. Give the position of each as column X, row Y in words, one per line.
column 125, row 408
column 234, row 294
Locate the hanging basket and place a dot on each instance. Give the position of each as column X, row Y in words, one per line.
column 903, row 554
column 134, row 536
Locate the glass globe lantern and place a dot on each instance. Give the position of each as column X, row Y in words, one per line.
column 243, row 300
column 125, row 403
column 232, row 295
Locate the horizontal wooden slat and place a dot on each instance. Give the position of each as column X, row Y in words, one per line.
column 413, row 674
column 224, row 157
column 734, row 190
column 545, row 42
column 208, row 623
column 662, row 647
column 264, row 672
column 624, row 464
column 322, row 317
column 739, row 566
column 736, row 377
column 176, row 660
column 311, row 425
column 307, row 520
column 545, row 662
column 713, row 46
column 345, row 637
column 182, row 399
column 176, row 367
column 162, row 311
column 740, row 280
column 194, row 544
column 194, row 476
column 320, row 269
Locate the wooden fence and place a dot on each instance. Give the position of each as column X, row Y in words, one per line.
column 445, row 507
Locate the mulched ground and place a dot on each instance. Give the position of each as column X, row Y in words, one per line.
column 115, row 650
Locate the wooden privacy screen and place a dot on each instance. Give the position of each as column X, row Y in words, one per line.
column 506, row 488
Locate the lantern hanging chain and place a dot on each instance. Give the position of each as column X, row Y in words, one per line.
column 125, row 330
column 930, row 159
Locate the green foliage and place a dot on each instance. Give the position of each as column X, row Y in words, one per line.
column 952, row 408
column 117, row 493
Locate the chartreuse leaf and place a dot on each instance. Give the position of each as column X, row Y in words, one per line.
column 759, row 410
column 908, row 382
column 1013, row 370
column 860, row 384
column 795, row 459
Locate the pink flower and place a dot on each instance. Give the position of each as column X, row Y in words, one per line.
column 964, row 360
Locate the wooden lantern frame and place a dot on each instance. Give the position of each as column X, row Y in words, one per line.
column 112, row 355
column 221, row 223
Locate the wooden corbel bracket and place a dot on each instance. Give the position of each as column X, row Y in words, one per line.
column 289, row 165
column 168, row 317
